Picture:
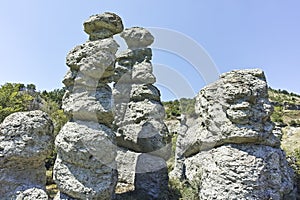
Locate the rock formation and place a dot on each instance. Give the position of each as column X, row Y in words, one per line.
column 141, row 134
column 178, row 171
column 232, row 151
column 26, row 139
column 85, row 167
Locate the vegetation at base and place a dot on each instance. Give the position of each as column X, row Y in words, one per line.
column 182, row 190
column 286, row 107
column 52, row 106
column 177, row 107
column 277, row 114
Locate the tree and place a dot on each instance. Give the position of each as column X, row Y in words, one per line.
column 13, row 100
column 55, row 95
column 31, row 87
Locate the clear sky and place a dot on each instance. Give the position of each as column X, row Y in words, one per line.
column 36, row 35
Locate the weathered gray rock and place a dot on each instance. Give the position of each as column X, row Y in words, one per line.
column 26, row 139
column 147, row 136
column 138, row 112
column 234, row 109
column 142, row 173
column 233, row 152
column 91, row 105
column 87, row 54
column 241, row 171
column 142, row 73
column 85, row 167
column 33, row 193
column 103, row 26
column 141, row 134
column 62, row 196
column 137, row 92
column 178, row 171
column 134, row 70
column 137, row 37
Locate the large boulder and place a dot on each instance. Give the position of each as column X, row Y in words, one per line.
column 241, row 171
column 233, row 151
column 26, row 140
column 102, row 26
column 137, row 37
column 234, row 109
column 85, row 167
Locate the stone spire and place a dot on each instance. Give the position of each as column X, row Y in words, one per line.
column 85, row 167
column 142, row 136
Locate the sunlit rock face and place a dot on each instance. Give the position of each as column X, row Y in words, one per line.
column 85, row 167
column 142, row 136
column 233, row 152
column 26, row 140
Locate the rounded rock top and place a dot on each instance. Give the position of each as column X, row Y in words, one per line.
column 102, row 26
column 137, row 37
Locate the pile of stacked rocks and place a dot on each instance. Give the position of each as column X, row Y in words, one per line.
column 85, row 167
column 233, row 151
column 141, row 134
column 26, row 140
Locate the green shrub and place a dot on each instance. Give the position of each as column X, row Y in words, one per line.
column 277, row 114
column 182, row 190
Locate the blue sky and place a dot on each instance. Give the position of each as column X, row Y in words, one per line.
column 36, row 36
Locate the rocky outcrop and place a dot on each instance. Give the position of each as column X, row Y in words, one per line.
column 232, row 152
column 26, row 139
column 85, row 167
column 142, row 136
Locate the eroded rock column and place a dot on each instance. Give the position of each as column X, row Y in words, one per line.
column 142, row 136
column 26, row 139
column 85, row 167
column 232, row 152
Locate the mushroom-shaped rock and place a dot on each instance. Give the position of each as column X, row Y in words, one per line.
column 137, row 37
column 102, row 26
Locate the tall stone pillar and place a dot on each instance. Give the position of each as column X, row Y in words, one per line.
column 142, row 136
column 85, row 167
